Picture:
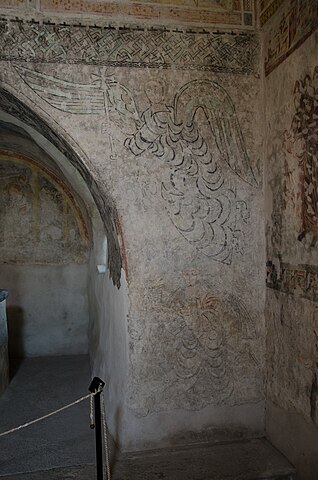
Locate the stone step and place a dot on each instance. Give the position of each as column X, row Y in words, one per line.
column 249, row 460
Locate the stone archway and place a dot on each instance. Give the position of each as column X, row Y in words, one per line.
column 46, row 238
column 11, row 105
column 107, row 291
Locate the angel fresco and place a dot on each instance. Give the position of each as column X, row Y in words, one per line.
column 200, row 202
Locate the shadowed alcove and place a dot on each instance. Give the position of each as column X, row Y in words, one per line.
column 60, row 262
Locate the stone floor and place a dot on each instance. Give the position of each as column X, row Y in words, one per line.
column 39, row 386
column 253, row 460
column 62, row 447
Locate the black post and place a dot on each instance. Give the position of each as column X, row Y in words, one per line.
column 96, row 385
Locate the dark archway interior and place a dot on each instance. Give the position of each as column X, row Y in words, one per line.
column 56, row 229
column 11, row 105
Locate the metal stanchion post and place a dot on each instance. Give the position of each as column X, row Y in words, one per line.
column 96, row 386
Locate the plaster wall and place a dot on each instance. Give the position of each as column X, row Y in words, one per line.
column 178, row 153
column 4, row 358
column 291, row 93
column 108, row 338
column 47, row 309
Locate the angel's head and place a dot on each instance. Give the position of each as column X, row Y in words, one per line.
column 155, row 91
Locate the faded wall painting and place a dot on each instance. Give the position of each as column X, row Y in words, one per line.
column 199, row 200
column 199, row 195
column 267, row 8
column 209, row 352
column 314, row 385
column 292, row 272
column 301, row 143
column 288, row 29
column 177, row 153
column 130, row 47
column 294, row 159
column 204, row 12
column 41, row 222
column 300, row 280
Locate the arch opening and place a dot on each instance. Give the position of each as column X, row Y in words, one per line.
column 59, row 255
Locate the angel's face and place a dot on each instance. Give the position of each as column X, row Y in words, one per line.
column 154, row 89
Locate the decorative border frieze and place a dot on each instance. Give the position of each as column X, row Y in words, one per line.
column 129, row 47
column 301, row 280
column 268, row 9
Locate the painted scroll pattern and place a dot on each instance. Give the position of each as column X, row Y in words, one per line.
column 301, row 280
column 41, row 222
column 129, row 47
column 200, row 200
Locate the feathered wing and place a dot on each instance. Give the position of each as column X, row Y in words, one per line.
column 200, row 206
column 79, row 98
column 66, row 96
column 220, row 112
column 198, row 203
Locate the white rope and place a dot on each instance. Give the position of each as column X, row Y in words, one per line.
column 48, row 415
column 105, row 431
column 91, row 413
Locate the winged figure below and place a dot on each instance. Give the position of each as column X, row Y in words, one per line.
column 201, row 204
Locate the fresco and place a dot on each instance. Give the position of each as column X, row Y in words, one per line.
column 267, row 9
column 209, row 353
column 41, row 222
column 293, row 23
column 301, row 142
column 223, row 12
column 301, row 280
column 294, row 159
column 167, row 123
column 200, row 201
column 314, row 386
column 292, row 273
column 12, row 3
column 130, row 47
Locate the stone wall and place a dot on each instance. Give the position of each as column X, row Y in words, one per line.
column 291, row 93
column 173, row 139
column 4, row 357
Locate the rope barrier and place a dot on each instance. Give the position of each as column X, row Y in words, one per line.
column 12, row 430
column 105, row 435
column 95, row 389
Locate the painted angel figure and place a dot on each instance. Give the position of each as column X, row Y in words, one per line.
column 199, row 201
column 200, row 204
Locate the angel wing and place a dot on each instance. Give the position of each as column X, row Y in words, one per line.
column 199, row 200
column 63, row 95
column 198, row 203
column 93, row 98
column 220, row 113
